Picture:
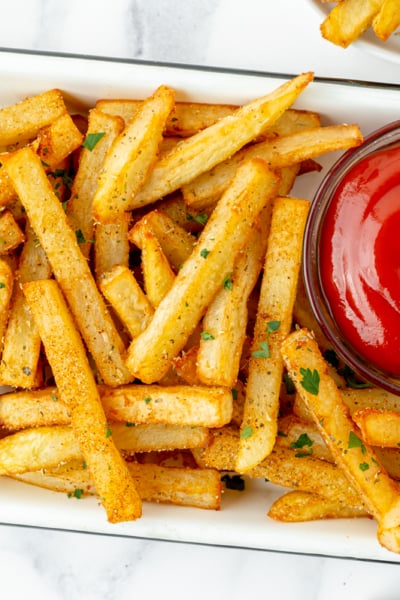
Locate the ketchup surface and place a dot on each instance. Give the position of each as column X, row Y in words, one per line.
column 360, row 258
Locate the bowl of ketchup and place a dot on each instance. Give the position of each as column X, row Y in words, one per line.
column 352, row 257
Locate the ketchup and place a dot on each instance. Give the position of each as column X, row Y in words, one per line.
column 360, row 258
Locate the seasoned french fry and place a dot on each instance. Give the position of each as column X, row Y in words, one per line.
column 387, row 20
column 193, row 406
column 7, row 191
column 277, row 153
column 379, row 427
column 70, row 267
column 131, row 157
column 207, row 148
column 273, row 323
column 21, row 342
column 158, row 276
column 186, row 118
column 75, row 381
column 58, row 140
column 127, row 298
column 150, row 354
column 22, row 121
column 6, row 290
column 348, row 20
column 111, row 245
column 101, row 132
column 11, row 235
column 302, row 506
column 380, row 493
column 177, row 244
column 200, row 488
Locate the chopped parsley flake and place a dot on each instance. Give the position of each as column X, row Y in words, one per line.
column 206, row 336
column 355, row 442
column 204, row 252
column 228, row 282
column 364, row 466
column 246, row 432
column 310, row 381
column 92, row 139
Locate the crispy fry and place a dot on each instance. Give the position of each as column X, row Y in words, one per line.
column 387, row 20
column 75, row 381
column 348, row 20
column 207, row 148
column 22, row 121
column 127, row 298
column 58, row 140
column 111, row 245
column 158, row 276
column 380, row 493
column 105, row 128
column 151, row 353
column 277, row 153
column 131, row 157
column 302, row 506
column 49, row 221
column 193, row 406
column 11, row 235
column 379, row 427
column 273, row 323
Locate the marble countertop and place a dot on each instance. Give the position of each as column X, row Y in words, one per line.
column 263, row 35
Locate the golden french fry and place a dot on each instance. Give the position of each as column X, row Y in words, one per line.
column 111, row 245
column 302, row 506
column 58, row 140
column 69, row 266
column 131, row 157
column 379, row 427
column 185, row 119
column 21, row 122
column 200, row 488
column 348, row 20
column 150, row 354
column 101, row 132
column 203, row 151
column 193, row 406
column 374, row 398
column 279, row 152
column 379, row 493
column 6, row 290
column 387, row 20
column 76, row 385
column 127, row 298
column 158, row 277
column 177, row 244
column 273, row 323
column 21, row 342
column 11, row 235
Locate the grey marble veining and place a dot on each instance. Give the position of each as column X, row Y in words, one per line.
column 266, row 35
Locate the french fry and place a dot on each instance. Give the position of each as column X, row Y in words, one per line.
column 150, row 354
column 380, row 494
column 102, row 130
column 131, row 157
column 203, row 151
column 58, row 240
column 193, row 406
column 379, row 427
column 47, row 447
column 277, row 153
column 11, row 235
column 127, row 298
column 298, row 506
column 177, row 244
column 111, row 245
column 158, row 276
column 75, row 381
column 348, row 20
column 7, row 192
column 58, row 140
column 185, row 119
column 372, row 398
column 273, row 323
column 6, row 290
column 200, row 488
column 22, row 121
column 21, row 341
column 387, row 20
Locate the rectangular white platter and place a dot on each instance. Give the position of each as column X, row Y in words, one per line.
column 242, row 520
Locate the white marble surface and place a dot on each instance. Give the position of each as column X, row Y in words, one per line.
column 264, row 35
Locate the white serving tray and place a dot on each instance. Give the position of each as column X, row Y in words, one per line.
column 242, row 520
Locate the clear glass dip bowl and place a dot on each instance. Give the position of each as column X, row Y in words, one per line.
column 379, row 140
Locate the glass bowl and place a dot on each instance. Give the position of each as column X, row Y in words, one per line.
column 324, row 307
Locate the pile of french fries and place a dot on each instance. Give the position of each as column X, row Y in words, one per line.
column 349, row 19
column 153, row 318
